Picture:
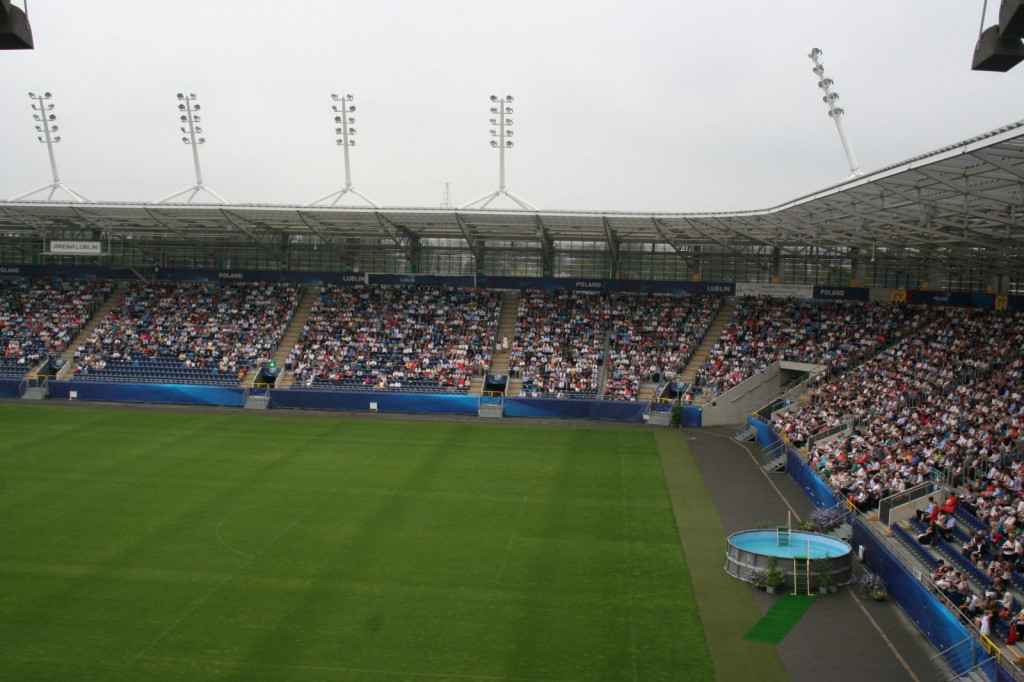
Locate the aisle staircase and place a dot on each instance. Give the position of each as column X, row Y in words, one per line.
column 292, row 333
column 711, row 337
column 67, row 368
column 506, row 333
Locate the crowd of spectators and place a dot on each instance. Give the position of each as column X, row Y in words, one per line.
column 944, row 403
column 652, row 337
column 763, row 330
column 558, row 346
column 380, row 337
column 946, row 397
column 39, row 316
column 992, row 608
column 228, row 327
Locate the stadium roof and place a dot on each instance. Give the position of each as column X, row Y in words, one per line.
column 963, row 203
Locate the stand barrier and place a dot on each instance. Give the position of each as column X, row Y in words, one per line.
column 383, row 401
column 184, row 394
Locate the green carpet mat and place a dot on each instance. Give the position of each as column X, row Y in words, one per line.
column 780, row 619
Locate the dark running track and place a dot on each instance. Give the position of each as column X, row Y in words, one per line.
column 841, row 637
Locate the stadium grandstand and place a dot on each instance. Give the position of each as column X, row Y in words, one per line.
column 867, row 337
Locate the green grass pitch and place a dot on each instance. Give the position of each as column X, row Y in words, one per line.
column 189, row 545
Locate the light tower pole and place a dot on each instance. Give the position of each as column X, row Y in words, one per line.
column 500, row 135
column 188, row 107
column 343, row 121
column 47, row 125
column 835, row 112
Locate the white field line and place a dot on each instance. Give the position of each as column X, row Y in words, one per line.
column 511, row 537
column 361, row 671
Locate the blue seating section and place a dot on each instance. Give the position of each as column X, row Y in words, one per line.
column 408, row 386
column 911, row 543
column 952, row 554
column 159, row 370
column 966, row 517
column 12, row 370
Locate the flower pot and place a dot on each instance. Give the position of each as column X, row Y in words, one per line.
column 832, row 589
column 822, row 590
column 770, row 589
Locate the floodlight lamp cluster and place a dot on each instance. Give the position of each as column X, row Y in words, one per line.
column 502, row 124
column 343, row 121
column 825, row 84
column 188, row 107
column 42, row 116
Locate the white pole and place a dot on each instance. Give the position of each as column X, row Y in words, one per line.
column 47, row 127
column 835, row 112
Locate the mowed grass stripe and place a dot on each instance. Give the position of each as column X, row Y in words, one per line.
column 727, row 607
column 260, row 547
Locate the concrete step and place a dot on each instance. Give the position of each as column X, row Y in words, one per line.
column 257, row 402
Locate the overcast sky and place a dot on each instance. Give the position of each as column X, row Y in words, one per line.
column 620, row 106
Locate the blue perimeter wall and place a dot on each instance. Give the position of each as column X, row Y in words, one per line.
column 426, row 403
column 942, row 628
column 433, row 403
column 229, row 396
column 566, row 408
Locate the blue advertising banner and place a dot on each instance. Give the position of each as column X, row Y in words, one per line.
column 433, row 403
column 424, row 280
column 595, row 284
column 667, row 287
column 842, row 293
column 184, row 394
column 283, row 276
column 950, row 298
column 575, row 409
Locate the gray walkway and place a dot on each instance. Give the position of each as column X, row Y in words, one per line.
column 841, row 637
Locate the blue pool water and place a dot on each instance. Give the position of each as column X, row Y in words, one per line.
column 801, row 544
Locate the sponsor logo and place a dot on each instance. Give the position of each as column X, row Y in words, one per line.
column 10, row 270
column 352, row 278
column 229, row 275
column 833, row 292
column 719, row 287
column 588, row 285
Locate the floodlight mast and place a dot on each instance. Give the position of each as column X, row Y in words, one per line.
column 344, row 131
column 500, row 140
column 188, row 107
column 835, row 112
column 47, row 126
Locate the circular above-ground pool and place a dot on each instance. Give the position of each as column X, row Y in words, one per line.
column 751, row 550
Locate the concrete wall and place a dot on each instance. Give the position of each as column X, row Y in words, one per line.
column 733, row 406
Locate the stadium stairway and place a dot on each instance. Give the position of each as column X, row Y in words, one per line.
column 503, row 348
column 711, row 337
column 67, row 357
column 292, row 332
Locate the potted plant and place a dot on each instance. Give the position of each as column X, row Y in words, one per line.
column 774, row 576
column 826, row 583
column 757, row 578
column 676, row 415
column 873, row 587
column 825, row 520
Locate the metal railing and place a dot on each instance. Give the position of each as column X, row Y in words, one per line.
column 887, row 504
